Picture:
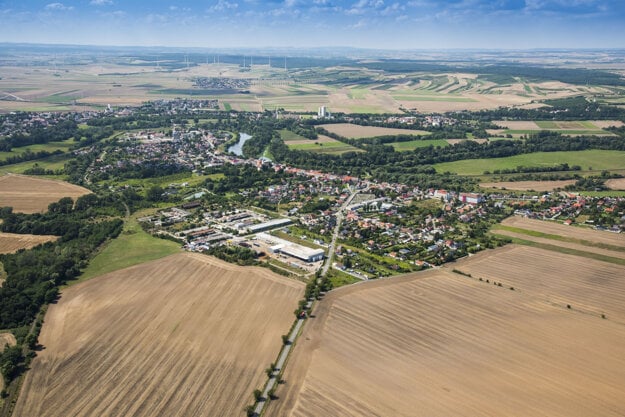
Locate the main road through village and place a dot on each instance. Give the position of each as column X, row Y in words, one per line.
column 286, row 348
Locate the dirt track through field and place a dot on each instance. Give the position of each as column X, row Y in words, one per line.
column 186, row 335
column 440, row 344
column 33, row 195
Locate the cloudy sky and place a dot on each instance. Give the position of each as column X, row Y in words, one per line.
column 388, row 24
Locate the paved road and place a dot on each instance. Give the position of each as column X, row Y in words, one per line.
column 335, row 234
column 284, row 354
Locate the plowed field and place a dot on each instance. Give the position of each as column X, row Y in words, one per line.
column 185, row 335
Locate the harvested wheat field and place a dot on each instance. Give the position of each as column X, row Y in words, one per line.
column 33, row 195
column 11, row 242
column 611, row 252
column 440, row 344
column 528, row 185
column 587, row 285
column 616, row 184
column 573, row 232
column 352, row 131
column 186, row 335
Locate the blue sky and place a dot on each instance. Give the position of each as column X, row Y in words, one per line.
column 386, row 24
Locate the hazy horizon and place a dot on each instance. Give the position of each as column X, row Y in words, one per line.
column 369, row 24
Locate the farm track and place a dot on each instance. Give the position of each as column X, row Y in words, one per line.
column 186, row 335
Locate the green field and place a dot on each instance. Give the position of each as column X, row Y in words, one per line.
column 597, row 132
column 414, row 144
column 286, row 135
column 592, row 160
column 53, row 163
column 192, row 180
column 334, row 147
column 133, row 246
column 49, row 147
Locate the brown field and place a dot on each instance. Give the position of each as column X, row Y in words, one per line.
column 589, row 286
column 602, row 124
column 440, row 344
column 456, row 141
column 528, row 185
column 320, row 139
column 33, row 195
column 5, row 339
column 186, row 335
column 616, row 184
column 352, row 131
column 11, row 242
column 89, row 86
column 563, row 244
column 576, row 232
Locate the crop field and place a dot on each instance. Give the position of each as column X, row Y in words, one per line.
column 589, row 127
column 323, row 144
column 33, row 195
column 286, row 135
column 187, row 335
column 61, row 87
column 528, row 185
column 11, row 242
column 616, row 184
column 591, row 160
column 414, row 144
column 352, row 131
column 441, row 344
column 568, row 232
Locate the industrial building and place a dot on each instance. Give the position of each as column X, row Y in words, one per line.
column 271, row 224
column 295, row 250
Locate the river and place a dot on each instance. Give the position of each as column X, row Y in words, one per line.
column 237, row 148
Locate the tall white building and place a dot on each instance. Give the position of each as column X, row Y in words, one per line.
column 322, row 112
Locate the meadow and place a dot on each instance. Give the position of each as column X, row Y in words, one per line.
column 589, row 160
column 414, row 144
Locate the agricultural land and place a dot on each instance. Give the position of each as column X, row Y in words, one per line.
column 192, row 336
column 353, row 131
column 11, row 242
column 33, row 195
column 442, row 343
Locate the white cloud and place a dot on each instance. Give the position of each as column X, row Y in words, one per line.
column 101, row 2
column 57, row 7
column 222, row 5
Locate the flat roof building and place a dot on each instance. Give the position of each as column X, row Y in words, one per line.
column 292, row 249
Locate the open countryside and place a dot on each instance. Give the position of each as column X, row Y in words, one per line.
column 439, row 343
column 353, row 131
column 154, row 338
column 33, row 195
column 11, row 242
column 591, row 160
column 422, row 214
